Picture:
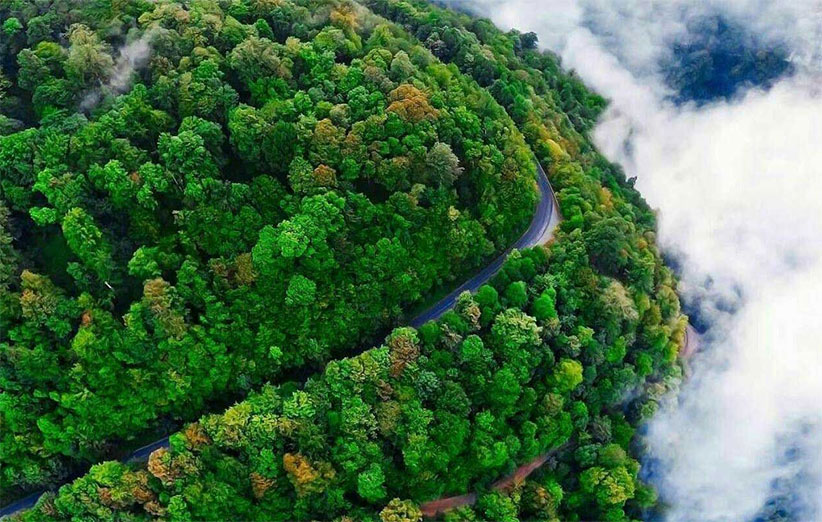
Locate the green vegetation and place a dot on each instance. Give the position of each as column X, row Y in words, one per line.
column 282, row 179
column 509, row 374
column 273, row 184
column 718, row 57
column 554, row 111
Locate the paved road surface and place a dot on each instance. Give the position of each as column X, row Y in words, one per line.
column 546, row 218
column 29, row 501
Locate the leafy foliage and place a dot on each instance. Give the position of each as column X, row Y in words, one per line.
column 430, row 413
column 267, row 184
column 283, row 179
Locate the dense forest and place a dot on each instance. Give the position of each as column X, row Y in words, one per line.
column 200, row 197
column 512, row 372
column 275, row 186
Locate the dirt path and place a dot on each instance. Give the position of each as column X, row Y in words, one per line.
column 441, row 505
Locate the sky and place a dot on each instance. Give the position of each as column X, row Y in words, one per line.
column 738, row 188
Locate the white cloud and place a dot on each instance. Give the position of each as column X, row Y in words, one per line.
column 131, row 57
column 739, row 188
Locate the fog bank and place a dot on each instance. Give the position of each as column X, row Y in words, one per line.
column 738, row 185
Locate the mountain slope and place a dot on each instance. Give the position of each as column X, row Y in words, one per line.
column 201, row 197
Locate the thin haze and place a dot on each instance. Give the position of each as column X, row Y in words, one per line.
column 131, row 57
column 738, row 185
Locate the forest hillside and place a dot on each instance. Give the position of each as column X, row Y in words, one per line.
column 200, row 198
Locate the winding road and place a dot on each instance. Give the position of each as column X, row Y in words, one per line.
column 546, row 218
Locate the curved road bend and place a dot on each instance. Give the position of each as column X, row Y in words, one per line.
column 441, row 505
column 546, row 218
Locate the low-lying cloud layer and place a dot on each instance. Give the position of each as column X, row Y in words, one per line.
column 739, row 188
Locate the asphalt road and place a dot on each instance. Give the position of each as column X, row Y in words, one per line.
column 435, row 507
column 28, row 502
column 546, row 218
